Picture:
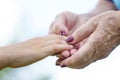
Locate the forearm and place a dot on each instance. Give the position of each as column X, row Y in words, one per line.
column 102, row 6
column 5, row 58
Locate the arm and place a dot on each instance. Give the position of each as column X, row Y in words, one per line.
column 4, row 58
column 102, row 6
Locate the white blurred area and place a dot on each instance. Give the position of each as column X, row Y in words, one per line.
column 24, row 19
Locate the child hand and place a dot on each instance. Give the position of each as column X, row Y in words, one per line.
column 25, row 53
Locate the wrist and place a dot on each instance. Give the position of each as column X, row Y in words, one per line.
column 103, row 6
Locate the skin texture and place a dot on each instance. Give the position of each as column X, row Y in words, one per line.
column 103, row 33
column 28, row 52
column 70, row 23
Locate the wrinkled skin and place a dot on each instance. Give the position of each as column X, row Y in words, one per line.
column 28, row 52
column 103, row 33
column 99, row 36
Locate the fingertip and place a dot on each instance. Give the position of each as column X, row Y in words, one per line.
column 69, row 39
column 63, row 32
column 70, row 61
column 58, row 62
column 73, row 51
column 66, row 54
column 66, row 62
column 62, row 66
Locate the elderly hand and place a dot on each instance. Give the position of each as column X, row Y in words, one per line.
column 103, row 35
column 28, row 52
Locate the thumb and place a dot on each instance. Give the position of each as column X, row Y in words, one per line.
column 59, row 25
column 82, row 32
column 81, row 58
column 59, row 29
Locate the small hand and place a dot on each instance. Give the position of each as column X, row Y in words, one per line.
column 28, row 52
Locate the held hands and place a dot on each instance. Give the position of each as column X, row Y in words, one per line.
column 96, row 38
column 28, row 52
column 65, row 24
column 89, row 39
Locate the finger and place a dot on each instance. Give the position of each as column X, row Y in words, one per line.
column 56, row 48
column 58, row 62
column 83, row 32
column 48, row 38
column 59, row 25
column 73, row 29
column 51, row 42
column 64, row 54
column 81, row 58
column 73, row 51
column 58, row 28
column 52, row 37
column 60, row 56
column 63, row 22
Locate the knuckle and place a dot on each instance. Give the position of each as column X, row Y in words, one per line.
column 61, row 37
column 54, row 36
column 58, row 37
column 55, row 48
column 60, row 41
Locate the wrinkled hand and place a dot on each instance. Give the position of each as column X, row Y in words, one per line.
column 103, row 35
column 28, row 52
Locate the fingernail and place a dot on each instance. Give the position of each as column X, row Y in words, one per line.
column 62, row 66
column 63, row 33
column 69, row 39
